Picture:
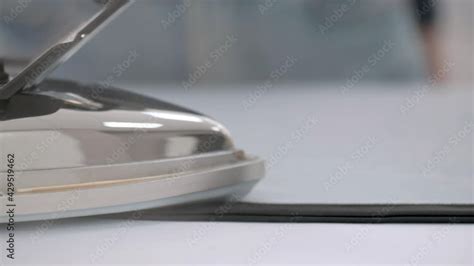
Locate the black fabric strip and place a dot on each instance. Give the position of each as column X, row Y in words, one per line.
column 313, row 213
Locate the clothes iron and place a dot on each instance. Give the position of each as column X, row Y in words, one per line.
column 69, row 149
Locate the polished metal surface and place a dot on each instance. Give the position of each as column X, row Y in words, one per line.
column 111, row 150
column 86, row 150
column 67, row 122
column 40, row 68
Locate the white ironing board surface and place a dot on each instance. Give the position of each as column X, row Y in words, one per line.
column 389, row 173
column 363, row 131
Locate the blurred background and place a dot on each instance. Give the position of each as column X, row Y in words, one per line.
column 322, row 40
column 388, row 82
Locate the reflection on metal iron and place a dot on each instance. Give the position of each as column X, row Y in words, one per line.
column 133, row 152
column 78, row 150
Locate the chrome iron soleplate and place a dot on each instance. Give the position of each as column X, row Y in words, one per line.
column 173, row 181
column 90, row 149
column 77, row 153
